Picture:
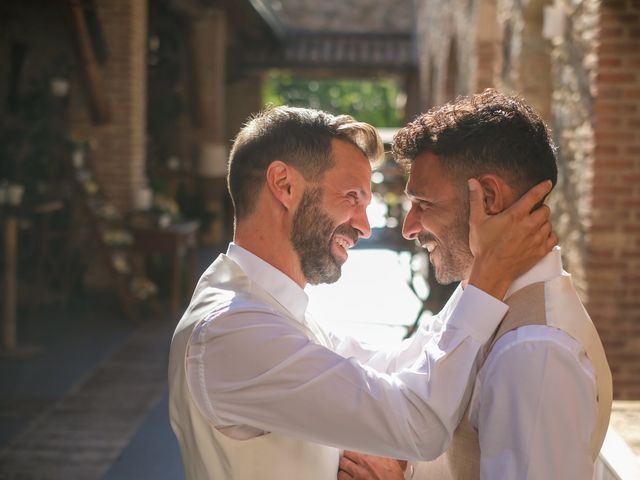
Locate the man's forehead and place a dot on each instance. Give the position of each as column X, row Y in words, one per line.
column 427, row 178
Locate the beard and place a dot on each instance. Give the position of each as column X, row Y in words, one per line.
column 312, row 237
column 452, row 257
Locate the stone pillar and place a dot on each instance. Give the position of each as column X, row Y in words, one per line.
column 487, row 46
column 534, row 76
column 118, row 147
column 412, row 105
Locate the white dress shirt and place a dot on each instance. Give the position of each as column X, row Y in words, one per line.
column 534, row 401
column 252, row 372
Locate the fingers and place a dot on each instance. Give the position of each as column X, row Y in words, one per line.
column 544, row 233
column 349, row 469
column 351, row 455
column 529, row 200
column 540, row 216
column 476, row 201
column 342, row 475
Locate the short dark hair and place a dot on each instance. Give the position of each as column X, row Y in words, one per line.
column 484, row 133
column 299, row 137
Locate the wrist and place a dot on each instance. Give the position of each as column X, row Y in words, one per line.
column 488, row 279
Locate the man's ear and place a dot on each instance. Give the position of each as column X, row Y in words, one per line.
column 283, row 182
column 497, row 194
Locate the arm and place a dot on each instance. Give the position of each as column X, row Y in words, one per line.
column 395, row 357
column 536, row 408
column 254, row 369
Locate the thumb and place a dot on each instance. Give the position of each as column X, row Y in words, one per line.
column 476, row 201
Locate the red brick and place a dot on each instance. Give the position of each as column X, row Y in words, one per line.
column 618, row 136
column 611, row 32
column 610, row 62
column 607, row 149
column 616, row 78
column 618, row 48
column 610, row 107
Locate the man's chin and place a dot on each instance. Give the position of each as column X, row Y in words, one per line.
column 445, row 277
column 324, row 279
column 326, row 275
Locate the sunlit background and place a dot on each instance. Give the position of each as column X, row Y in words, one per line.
column 116, row 119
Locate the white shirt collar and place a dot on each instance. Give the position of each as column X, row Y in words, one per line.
column 546, row 269
column 281, row 287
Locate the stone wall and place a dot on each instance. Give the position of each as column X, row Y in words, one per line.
column 585, row 81
column 573, row 71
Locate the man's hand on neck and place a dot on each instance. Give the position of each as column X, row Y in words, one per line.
column 507, row 244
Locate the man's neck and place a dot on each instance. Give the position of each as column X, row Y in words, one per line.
column 272, row 247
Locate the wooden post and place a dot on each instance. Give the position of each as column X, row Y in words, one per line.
column 10, row 288
column 94, row 84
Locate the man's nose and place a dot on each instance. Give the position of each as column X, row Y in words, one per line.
column 411, row 226
column 361, row 223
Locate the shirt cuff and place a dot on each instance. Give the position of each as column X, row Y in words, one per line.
column 410, row 470
column 478, row 313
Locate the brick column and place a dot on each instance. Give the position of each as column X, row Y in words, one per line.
column 613, row 260
column 209, row 43
column 118, row 147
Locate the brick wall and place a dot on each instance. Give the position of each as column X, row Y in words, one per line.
column 118, row 147
column 613, row 261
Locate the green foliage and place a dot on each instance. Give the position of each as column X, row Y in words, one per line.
column 379, row 101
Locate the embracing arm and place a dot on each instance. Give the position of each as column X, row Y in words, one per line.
column 254, row 369
column 508, row 244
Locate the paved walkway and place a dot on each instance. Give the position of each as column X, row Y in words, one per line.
column 83, row 434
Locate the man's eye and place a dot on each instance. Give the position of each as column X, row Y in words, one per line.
column 422, row 205
column 353, row 196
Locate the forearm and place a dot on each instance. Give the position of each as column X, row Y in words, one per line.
column 491, row 280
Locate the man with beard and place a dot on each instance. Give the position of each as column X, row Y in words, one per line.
column 542, row 396
column 257, row 388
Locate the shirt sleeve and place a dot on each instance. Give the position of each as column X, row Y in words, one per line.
column 536, row 407
column 256, row 369
column 475, row 313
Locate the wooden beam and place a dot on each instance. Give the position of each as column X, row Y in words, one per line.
column 93, row 81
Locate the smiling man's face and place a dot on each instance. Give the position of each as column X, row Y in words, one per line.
column 438, row 218
column 331, row 216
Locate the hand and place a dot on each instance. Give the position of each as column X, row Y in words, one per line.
column 358, row 466
column 508, row 244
